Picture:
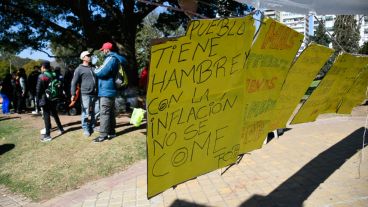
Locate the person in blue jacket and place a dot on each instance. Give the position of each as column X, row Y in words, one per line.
column 107, row 92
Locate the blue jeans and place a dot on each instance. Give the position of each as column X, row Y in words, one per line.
column 6, row 104
column 87, row 106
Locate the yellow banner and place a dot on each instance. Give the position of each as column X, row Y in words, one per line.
column 300, row 76
column 328, row 95
column 195, row 93
column 265, row 71
column 356, row 94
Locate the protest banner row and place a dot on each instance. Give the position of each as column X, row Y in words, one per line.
column 216, row 92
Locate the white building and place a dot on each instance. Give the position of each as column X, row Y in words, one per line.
column 307, row 24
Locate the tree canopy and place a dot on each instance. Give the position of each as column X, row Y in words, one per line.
column 346, row 33
column 73, row 26
column 320, row 36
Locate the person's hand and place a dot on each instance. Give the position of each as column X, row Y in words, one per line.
column 72, row 98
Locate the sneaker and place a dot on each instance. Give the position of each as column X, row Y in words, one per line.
column 111, row 136
column 86, row 134
column 46, row 138
column 100, row 139
column 35, row 112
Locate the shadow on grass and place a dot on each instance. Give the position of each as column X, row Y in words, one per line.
column 4, row 148
column 8, row 118
column 295, row 190
column 130, row 129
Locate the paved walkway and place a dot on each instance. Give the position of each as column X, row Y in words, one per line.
column 312, row 164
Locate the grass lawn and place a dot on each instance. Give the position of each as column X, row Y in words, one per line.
column 43, row 170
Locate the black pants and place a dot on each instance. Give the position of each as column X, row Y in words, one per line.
column 21, row 103
column 50, row 109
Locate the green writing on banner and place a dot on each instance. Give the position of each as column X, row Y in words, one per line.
column 265, row 71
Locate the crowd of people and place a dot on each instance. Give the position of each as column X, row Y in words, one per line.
column 93, row 86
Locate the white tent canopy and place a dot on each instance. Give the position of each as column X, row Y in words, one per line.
column 319, row 6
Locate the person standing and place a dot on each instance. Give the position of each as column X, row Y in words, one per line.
column 107, row 92
column 6, row 92
column 85, row 77
column 32, row 82
column 48, row 106
column 21, row 88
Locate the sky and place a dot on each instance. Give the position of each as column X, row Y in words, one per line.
column 35, row 55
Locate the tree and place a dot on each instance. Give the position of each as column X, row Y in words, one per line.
column 346, row 34
column 81, row 24
column 4, row 68
column 78, row 25
column 320, row 36
column 30, row 65
column 364, row 49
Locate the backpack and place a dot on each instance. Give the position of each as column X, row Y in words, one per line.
column 54, row 90
column 121, row 79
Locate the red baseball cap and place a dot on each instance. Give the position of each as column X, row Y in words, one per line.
column 106, row 45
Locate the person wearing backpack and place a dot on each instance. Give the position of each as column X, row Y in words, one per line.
column 107, row 91
column 85, row 77
column 47, row 100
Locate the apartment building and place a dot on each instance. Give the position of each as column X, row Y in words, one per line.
column 307, row 24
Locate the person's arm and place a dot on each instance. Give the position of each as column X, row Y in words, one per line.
column 22, row 82
column 39, row 88
column 105, row 70
column 73, row 86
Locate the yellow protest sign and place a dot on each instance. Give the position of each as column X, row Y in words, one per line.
column 301, row 74
column 356, row 94
column 194, row 98
column 328, row 95
column 266, row 67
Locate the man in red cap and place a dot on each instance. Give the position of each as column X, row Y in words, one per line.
column 107, row 92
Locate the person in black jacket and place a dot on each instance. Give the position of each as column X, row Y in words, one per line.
column 48, row 106
column 32, row 82
column 21, row 89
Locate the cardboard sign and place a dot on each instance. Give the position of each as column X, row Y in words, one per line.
column 301, row 74
column 356, row 94
column 195, row 89
column 265, row 71
column 334, row 86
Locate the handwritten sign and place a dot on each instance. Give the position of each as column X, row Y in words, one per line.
column 300, row 76
column 265, row 71
column 356, row 94
column 328, row 95
column 195, row 96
